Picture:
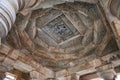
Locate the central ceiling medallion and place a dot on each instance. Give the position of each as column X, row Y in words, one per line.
column 59, row 31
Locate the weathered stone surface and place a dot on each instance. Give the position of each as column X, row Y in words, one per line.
column 9, row 61
column 34, row 75
column 49, row 73
column 57, row 38
column 117, row 26
column 68, row 77
column 42, row 77
column 15, row 54
column 78, row 68
column 62, row 78
column 4, row 49
column 22, row 66
column 95, row 62
column 107, row 74
column 61, row 73
column 87, row 71
column 62, row 42
column 90, row 1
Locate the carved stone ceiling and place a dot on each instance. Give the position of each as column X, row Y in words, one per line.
column 59, row 31
column 61, row 36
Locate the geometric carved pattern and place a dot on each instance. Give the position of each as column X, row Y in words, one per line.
column 59, row 31
column 64, row 35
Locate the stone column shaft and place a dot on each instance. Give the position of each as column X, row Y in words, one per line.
column 8, row 10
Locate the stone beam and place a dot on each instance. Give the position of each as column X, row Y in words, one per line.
column 67, row 41
column 88, row 1
column 25, row 63
column 112, row 20
column 88, row 76
column 85, row 50
column 99, row 31
column 88, row 37
column 92, row 66
column 35, row 75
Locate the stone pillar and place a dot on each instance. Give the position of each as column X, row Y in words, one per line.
column 8, row 10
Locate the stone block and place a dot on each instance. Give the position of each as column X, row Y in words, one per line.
column 34, row 75
column 15, row 54
column 42, row 70
column 61, row 73
column 79, row 68
column 9, row 61
column 48, row 73
column 2, row 57
column 62, row 78
column 68, row 77
column 23, row 67
column 41, row 77
column 35, row 65
column 4, row 49
column 95, row 62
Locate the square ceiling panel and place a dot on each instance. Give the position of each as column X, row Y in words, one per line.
column 60, row 29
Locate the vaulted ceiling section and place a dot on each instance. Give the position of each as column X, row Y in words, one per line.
column 59, row 37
